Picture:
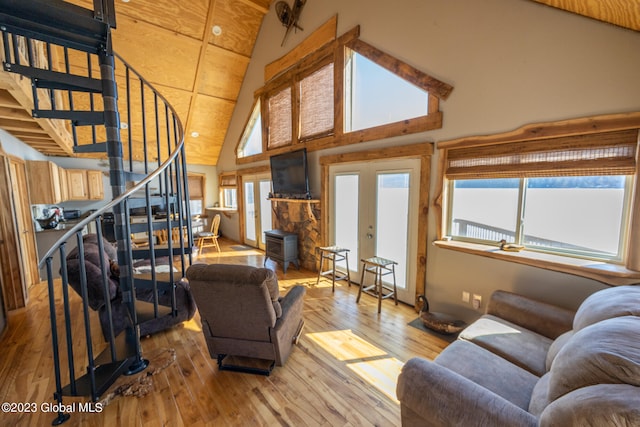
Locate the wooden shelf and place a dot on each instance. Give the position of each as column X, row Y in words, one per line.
column 273, row 199
column 308, row 202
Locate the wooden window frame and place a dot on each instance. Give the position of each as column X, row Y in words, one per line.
column 333, row 49
column 603, row 271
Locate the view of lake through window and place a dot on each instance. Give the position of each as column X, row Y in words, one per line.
column 583, row 215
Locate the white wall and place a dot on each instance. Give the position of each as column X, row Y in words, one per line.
column 14, row 147
column 511, row 62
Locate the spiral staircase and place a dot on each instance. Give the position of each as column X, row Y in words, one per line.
column 66, row 52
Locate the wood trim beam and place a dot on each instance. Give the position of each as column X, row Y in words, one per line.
column 546, row 130
column 402, row 69
column 326, row 33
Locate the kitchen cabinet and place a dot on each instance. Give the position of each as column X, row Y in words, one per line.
column 77, row 184
column 85, row 184
column 95, row 185
column 44, row 182
column 64, row 184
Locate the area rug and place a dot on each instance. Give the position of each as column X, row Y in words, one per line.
column 417, row 323
column 141, row 384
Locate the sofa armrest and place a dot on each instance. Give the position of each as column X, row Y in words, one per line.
column 442, row 397
column 545, row 319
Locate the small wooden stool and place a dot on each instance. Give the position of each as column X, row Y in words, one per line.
column 380, row 267
column 333, row 254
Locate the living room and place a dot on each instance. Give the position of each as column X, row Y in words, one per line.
column 515, row 67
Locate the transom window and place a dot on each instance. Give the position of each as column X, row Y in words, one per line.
column 370, row 90
column 343, row 92
column 251, row 140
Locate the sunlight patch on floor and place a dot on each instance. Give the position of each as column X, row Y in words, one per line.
column 345, row 345
column 380, row 373
column 192, row 325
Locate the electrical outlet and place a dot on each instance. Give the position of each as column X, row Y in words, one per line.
column 477, row 301
column 466, row 297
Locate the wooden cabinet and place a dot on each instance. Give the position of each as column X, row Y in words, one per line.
column 95, row 185
column 85, row 184
column 64, row 184
column 44, row 182
column 77, row 184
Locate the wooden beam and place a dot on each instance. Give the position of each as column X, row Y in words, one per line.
column 402, row 69
column 546, row 130
column 326, row 33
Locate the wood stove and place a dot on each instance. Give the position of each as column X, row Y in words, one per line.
column 282, row 247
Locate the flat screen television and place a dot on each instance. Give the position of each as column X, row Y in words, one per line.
column 289, row 175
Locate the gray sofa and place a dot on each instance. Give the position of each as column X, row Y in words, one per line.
column 526, row 363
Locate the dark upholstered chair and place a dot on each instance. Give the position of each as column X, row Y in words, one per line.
column 185, row 303
column 243, row 315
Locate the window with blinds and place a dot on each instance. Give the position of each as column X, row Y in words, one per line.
column 568, row 195
column 317, row 103
column 280, row 120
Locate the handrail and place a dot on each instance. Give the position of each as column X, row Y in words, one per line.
column 80, row 225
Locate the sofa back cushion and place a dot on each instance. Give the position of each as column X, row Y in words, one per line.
column 606, row 304
column 607, row 352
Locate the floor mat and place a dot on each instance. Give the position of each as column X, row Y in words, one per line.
column 241, row 248
column 417, row 323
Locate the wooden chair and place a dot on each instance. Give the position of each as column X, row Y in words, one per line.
column 210, row 236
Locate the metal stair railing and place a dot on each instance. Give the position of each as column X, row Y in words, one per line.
column 52, row 56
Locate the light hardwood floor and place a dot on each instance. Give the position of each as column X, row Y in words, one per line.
column 343, row 371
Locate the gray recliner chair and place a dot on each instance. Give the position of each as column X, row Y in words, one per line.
column 244, row 316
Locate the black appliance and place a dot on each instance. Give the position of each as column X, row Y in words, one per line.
column 72, row 214
column 109, row 226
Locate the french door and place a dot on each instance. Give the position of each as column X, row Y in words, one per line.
column 374, row 212
column 257, row 209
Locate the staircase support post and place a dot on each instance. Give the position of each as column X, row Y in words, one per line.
column 118, row 187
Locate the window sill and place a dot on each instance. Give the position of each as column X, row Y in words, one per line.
column 611, row 274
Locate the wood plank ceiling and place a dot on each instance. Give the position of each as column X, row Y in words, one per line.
column 171, row 43
column 624, row 13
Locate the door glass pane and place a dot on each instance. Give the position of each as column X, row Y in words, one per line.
column 392, row 221
column 485, row 209
column 265, row 208
column 249, row 212
column 578, row 214
column 346, row 215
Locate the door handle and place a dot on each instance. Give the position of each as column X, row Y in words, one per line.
column 369, row 236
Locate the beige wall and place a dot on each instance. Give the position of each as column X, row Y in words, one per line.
column 511, row 62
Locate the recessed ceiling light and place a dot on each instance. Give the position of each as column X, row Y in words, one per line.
column 124, row 125
column 195, row 134
column 126, row 1
column 216, row 30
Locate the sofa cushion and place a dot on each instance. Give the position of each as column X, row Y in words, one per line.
column 489, row 371
column 612, row 302
column 556, row 346
column 516, row 344
column 540, row 395
column 607, row 352
column 601, row 405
